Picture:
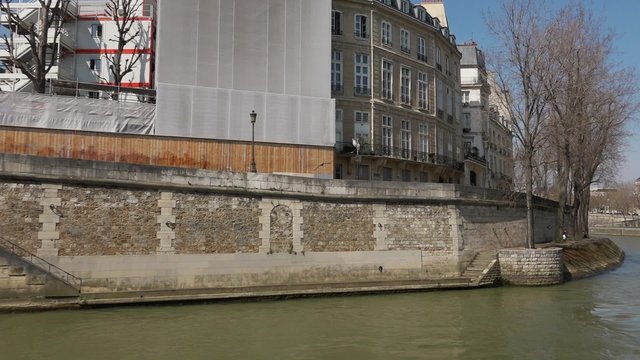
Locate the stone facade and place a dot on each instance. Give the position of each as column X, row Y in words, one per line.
column 425, row 228
column 19, row 212
column 206, row 224
column 338, row 227
column 107, row 221
column 129, row 228
column 531, row 267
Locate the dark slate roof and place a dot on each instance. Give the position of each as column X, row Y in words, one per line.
column 471, row 55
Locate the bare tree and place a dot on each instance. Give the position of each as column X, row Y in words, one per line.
column 521, row 67
column 124, row 13
column 591, row 101
column 41, row 35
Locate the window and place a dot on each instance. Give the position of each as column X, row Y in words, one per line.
column 405, row 85
column 387, row 79
column 440, row 142
column 406, row 175
column 446, row 64
column 385, row 28
column 361, row 127
column 465, row 97
column 336, row 71
column 94, row 95
column 466, row 121
column 440, row 95
column 423, row 90
column 362, row 74
column 422, row 14
column 405, row 6
column 438, row 58
column 363, row 172
column 94, row 65
column 387, row 174
column 96, row 31
column 405, row 138
column 338, row 171
column 423, row 134
column 339, row 127
column 450, row 97
column 361, row 28
column 405, row 41
column 387, row 135
column 422, row 49
column 450, row 145
column 336, row 22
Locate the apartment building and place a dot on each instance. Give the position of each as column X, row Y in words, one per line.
column 395, row 79
column 87, row 38
column 499, row 140
column 486, row 131
column 475, row 113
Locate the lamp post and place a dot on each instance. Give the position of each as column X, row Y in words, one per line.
column 253, row 116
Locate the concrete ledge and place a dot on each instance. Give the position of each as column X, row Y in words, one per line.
column 615, row 231
column 531, row 267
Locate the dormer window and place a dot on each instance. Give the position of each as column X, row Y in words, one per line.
column 405, row 7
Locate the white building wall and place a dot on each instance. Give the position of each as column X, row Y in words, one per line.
column 220, row 59
column 90, row 46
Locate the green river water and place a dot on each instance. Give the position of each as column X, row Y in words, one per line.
column 597, row 318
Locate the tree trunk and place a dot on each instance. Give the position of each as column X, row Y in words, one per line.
column 529, row 186
column 581, row 212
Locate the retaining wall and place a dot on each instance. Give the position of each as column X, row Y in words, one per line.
column 129, row 227
column 531, row 267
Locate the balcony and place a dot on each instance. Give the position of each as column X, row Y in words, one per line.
column 475, row 157
column 405, row 49
column 400, row 154
column 422, row 57
column 337, row 89
column 336, row 32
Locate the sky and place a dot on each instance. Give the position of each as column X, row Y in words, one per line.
column 467, row 22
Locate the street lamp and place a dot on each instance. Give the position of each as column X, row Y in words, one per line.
column 253, row 116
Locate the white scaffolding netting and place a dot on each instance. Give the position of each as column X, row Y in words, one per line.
column 71, row 113
column 220, row 59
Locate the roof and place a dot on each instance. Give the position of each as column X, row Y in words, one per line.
column 471, row 55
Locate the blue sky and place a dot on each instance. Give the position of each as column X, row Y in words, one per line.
column 466, row 21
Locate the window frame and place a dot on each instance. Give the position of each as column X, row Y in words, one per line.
column 361, row 29
column 336, row 29
column 405, row 85
column 387, row 80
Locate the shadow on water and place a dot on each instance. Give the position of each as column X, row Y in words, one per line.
column 596, row 318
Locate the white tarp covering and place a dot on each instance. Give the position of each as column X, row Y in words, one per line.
column 71, row 113
column 220, row 59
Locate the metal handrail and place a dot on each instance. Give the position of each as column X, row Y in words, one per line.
column 42, row 264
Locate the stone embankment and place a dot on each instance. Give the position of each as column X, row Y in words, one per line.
column 584, row 258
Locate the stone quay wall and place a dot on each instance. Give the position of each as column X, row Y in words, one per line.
column 531, row 267
column 133, row 227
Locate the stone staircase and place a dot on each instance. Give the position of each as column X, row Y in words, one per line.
column 24, row 275
column 484, row 269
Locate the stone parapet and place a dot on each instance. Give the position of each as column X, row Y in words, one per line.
column 531, row 267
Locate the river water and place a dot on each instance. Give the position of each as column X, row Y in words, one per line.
column 597, row 318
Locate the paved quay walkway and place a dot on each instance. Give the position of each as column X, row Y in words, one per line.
column 220, row 294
